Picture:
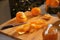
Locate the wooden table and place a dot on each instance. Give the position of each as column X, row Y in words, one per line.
column 37, row 35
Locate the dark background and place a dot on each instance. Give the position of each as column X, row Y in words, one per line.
column 19, row 5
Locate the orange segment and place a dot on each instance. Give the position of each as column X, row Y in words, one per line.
column 36, row 11
column 21, row 17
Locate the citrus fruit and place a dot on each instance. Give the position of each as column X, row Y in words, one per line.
column 36, row 11
column 21, row 17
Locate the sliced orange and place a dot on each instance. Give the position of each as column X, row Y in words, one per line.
column 36, row 11
column 21, row 17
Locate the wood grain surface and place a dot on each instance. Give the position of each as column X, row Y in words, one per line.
column 37, row 35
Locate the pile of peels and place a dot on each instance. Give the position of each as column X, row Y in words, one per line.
column 30, row 27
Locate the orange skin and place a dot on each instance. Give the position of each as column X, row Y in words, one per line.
column 31, row 27
column 46, row 17
column 38, row 24
column 36, row 11
column 48, row 2
column 20, row 17
column 53, row 3
column 25, row 28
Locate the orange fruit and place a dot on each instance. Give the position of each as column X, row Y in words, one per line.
column 54, row 3
column 35, row 25
column 28, row 14
column 19, row 30
column 36, row 11
column 48, row 2
column 38, row 24
column 21, row 17
column 23, row 29
column 26, row 27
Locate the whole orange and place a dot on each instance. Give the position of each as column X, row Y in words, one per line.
column 36, row 11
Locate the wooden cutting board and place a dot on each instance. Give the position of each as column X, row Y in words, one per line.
column 37, row 35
